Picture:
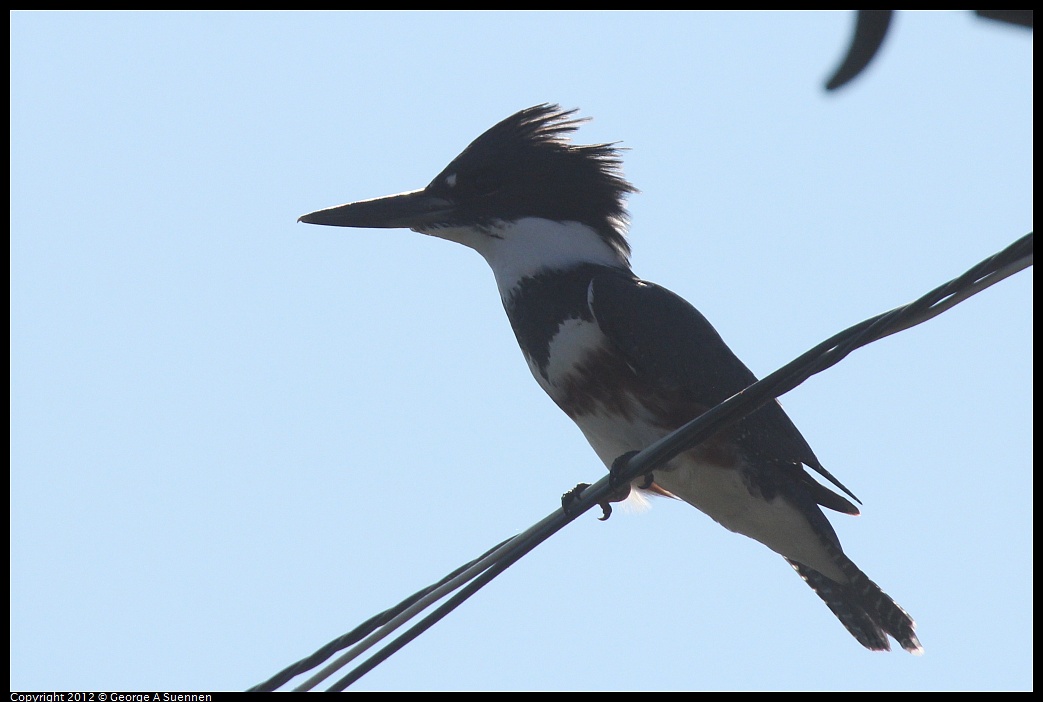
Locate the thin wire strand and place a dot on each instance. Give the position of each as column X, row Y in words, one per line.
column 498, row 554
column 342, row 642
column 518, row 547
column 480, row 571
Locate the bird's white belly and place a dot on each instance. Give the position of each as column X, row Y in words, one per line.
column 716, row 490
column 719, row 492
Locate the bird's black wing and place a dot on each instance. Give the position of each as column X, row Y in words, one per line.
column 666, row 339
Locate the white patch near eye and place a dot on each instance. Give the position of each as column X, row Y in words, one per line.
column 450, row 180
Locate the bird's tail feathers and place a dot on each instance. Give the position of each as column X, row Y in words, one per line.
column 862, row 607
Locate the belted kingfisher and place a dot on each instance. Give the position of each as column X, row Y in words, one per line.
column 627, row 360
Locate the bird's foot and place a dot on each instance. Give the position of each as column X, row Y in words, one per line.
column 617, row 495
column 619, row 465
column 570, row 497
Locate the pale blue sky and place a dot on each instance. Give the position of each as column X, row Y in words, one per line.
column 234, row 437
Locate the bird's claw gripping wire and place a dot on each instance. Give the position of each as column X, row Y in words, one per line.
column 620, row 486
column 570, row 497
column 615, row 473
column 619, row 466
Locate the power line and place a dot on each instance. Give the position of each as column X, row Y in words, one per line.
column 469, row 578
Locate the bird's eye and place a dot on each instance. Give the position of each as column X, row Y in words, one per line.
column 484, row 183
column 470, row 184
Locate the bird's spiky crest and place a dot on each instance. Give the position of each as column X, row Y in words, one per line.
column 588, row 179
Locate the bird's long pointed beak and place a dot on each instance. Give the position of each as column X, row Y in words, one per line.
column 403, row 211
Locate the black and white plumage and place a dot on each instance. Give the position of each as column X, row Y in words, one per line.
column 628, row 360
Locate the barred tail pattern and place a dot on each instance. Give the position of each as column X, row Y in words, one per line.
column 862, row 607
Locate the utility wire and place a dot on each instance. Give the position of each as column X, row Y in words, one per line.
column 472, row 576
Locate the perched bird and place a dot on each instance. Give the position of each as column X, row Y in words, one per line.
column 627, row 360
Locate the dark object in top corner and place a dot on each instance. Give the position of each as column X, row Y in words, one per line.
column 871, row 27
